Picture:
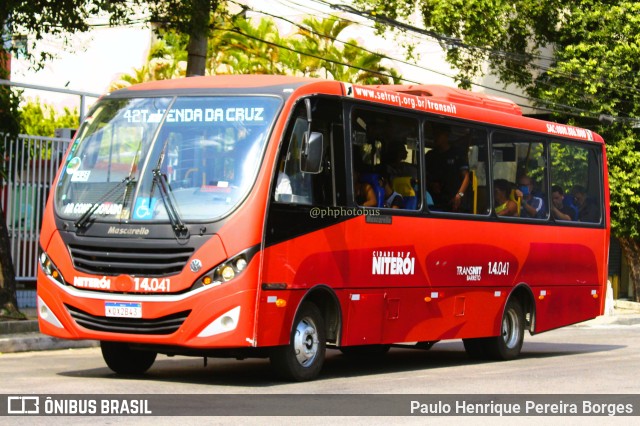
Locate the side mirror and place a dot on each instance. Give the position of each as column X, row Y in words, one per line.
column 312, row 152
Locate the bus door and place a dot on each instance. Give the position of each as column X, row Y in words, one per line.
column 305, row 243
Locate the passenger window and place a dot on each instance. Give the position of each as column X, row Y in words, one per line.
column 456, row 168
column 576, row 184
column 386, row 160
column 519, row 168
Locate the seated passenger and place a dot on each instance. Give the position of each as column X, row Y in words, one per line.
column 531, row 206
column 363, row 192
column 559, row 209
column 504, row 206
column 402, row 175
column 587, row 211
column 392, row 200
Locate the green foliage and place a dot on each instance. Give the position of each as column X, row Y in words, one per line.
column 242, row 47
column 624, row 163
column 9, row 102
column 9, row 110
column 42, row 120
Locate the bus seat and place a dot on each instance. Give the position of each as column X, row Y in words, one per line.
column 429, row 199
column 410, row 203
column 373, row 179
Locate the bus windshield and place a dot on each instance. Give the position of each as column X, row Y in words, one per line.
column 202, row 153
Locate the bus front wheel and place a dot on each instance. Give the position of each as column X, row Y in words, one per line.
column 123, row 360
column 508, row 344
column 302, row 359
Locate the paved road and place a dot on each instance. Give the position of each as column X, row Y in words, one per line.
column 599, row 356
column 594, row 359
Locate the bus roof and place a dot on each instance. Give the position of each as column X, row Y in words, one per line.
column 442, row 100
column 459, row 96
column 222, row 82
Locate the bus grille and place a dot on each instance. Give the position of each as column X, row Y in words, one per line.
column 150, row 261
column 158, row 326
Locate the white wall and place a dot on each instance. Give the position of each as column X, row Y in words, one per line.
column 98, row 57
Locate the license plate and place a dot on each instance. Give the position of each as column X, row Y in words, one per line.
column 123, row 309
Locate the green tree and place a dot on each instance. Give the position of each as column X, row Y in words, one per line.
column 42, row 120
column 192, row 18
column 343, row 61
column 240, row 46
column 579, row 58
column 249, row 49
column 166, row 60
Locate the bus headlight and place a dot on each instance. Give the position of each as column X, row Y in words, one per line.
column 49, row 268
column 225, row 272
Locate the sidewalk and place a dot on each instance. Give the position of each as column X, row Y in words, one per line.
column 23, row 336
column 624, row 313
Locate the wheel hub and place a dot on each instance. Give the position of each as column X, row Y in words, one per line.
column 306, row 342
column 510, row 330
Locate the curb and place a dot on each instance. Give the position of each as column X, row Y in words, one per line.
column 20, row 326
column 27, row 342
column 25, row 336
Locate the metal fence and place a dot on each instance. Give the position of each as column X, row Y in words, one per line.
column 31, row 165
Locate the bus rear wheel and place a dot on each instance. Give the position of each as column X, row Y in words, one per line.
column 508, row 344
column 123, row 360
column 302, row 359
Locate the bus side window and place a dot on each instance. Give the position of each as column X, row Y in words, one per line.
column 575, row 169
column 456, row 168
column 386, row 158
column 520, row 159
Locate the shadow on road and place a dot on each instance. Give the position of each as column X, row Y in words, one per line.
column 258, row 372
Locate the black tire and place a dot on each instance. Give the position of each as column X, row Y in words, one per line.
column 365, row 351
column 123, row 360
column 508, row 344
column 302, row 359
column 475, row 348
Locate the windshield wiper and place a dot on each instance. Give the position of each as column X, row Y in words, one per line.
column 179, row 228
column 83, row 220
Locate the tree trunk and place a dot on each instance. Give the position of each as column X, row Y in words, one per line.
column 197, row 59
column 8, row 126
column 631, row 252
column 8, row 299
column 199, row 36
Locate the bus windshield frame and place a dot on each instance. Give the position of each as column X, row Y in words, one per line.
column 206, row 150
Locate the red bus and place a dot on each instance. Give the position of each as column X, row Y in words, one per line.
column 272, row 216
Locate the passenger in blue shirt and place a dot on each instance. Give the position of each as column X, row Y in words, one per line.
column 531, row 206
